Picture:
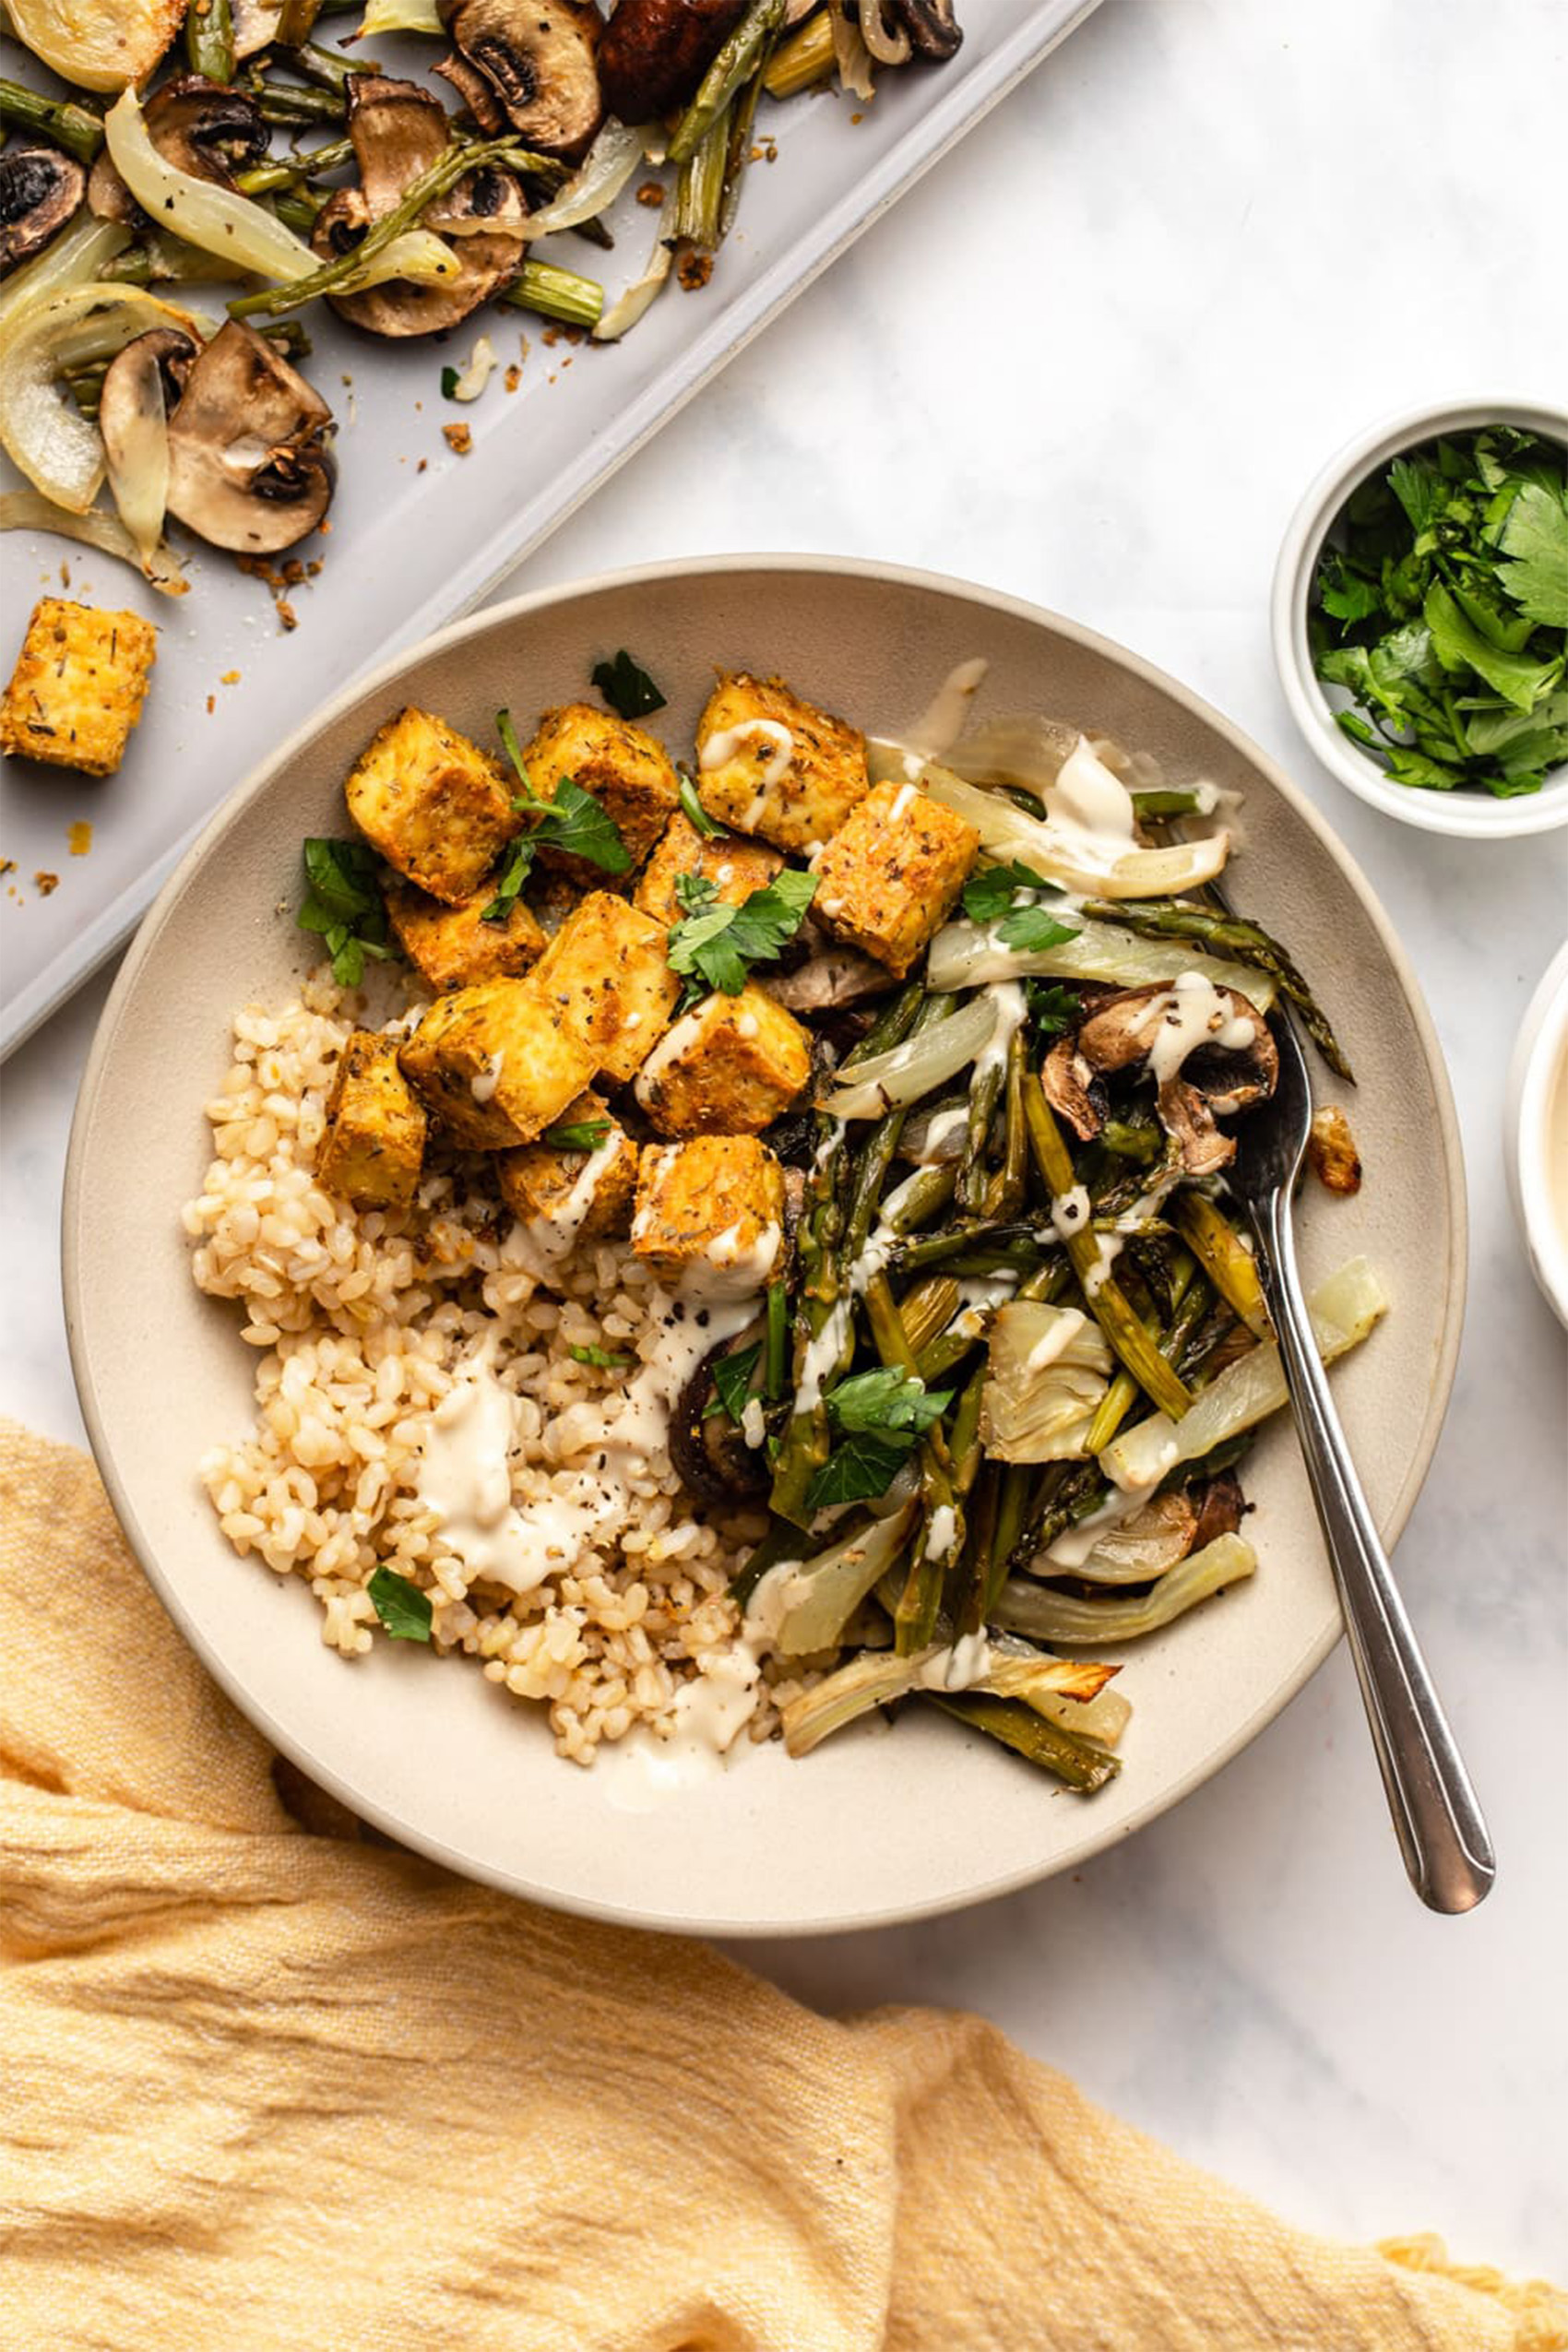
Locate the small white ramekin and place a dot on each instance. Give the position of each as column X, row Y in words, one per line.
column 1538, row 1068
column 1474, row 814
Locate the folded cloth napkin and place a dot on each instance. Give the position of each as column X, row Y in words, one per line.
column 267, row 2084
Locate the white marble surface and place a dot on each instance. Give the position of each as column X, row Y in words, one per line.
column 1093, row 360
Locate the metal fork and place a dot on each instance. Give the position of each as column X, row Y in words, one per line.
column 1436, row 1819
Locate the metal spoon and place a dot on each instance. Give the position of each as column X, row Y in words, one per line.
column 1436, row 1819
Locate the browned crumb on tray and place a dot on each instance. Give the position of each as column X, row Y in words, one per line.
column 694, row 271
column 1331, row 1149
column 46, row 884
column 459, row 438
column 651, row 193
column 79, row 837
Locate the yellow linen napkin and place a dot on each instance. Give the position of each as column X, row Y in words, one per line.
column 264, row 2087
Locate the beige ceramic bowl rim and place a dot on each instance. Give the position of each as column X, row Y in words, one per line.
column 1472, row 817
column 77, row 1256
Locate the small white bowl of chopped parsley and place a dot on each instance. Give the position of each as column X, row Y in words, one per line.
column 1420, row 618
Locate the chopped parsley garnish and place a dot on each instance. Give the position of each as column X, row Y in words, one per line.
column 732, row 1382
column 1003, row 895
column 628, row 689
column 403, row 1609
column 603, row 1359
column 884, row 1416
column 343, row 903
column 715, row 943
column 577, row 1134
column 694, row 813
column 1051, row 1008
column 572, row 820
column 450, row 379
column 1442, row 609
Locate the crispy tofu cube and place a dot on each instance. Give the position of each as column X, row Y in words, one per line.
column 734, row 867
column 730, row 1068
column 433, row 804
column 628, row 771
column 769, row 764
column 575, row 1195
column 607, row 975
column 496, row 1063
column 888, row 878
column 77, row 688
column 372, row 1151
column 712, row 1190
column 454, row 947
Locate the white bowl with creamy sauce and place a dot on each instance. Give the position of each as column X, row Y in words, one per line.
column 1536, row 1133
column 1472, row 815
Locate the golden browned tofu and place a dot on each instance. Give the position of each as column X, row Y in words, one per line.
column 374, row 1147
column 769, row 764
column 714, row 1193
column 78, row 686
column 730, row 1067
column 496, row 1063
column 888, row 878
column 607, row 975
column 627, row 770
column 454, row 947
column 433, row 804
column 734, row 867
column 578, row 1192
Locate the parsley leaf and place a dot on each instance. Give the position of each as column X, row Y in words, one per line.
column 715, row 943
column 1442, row 609
column 888, row 1400
column 403, row 1609
column 343, row 904
column 450, row 379
column 695, row 814
column 1032, row 929
column 884, row 1415
column 513, row 875
column 601, row 1357
column 991, row 896
column 1051, row 1008
column 626, row 688
column 571, row 819
column 580, row 1134
column 732, row 1382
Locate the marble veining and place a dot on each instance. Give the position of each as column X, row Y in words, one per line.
column 1093, row 359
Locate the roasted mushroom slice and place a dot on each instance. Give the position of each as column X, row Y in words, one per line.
column 932, row 27
column 709, row 1450
column 1207, row 1049
column 41, row 187
column 248, row 468
column 199, row 127
column 398, row 130
column 531, row 64
column 141, row 389
column 654, row 53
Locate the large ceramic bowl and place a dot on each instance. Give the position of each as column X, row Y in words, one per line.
column 882, row 1824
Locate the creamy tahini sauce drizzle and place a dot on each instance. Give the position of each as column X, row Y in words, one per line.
column 555, row 1237
column 1190, row 1013
column 1091, row 811
column 1012, row 1010
column 1073, row 1547
column 730, row 742
column 943, row 720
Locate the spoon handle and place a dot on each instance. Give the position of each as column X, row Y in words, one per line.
column 1436, row 1818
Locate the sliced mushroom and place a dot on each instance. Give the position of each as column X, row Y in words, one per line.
column 1212, row 1079
column 933, row 32
column 531, row 63
column 837, row 976
column 41, row 187
column 199, row 127
column 707, row 1449
column 654, row 53
column 1221, row 1505
column 248, row 468
column 398, row 130
column 143, row 385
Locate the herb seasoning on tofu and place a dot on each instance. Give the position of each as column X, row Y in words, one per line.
column 765, row 1255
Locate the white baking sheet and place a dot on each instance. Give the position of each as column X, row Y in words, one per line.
column 418, row 534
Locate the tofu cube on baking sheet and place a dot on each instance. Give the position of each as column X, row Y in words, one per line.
column 606, row 974
column 712, row 1189
column 77, row 688
column 734, row 867
column 768, row 762
column 454, row 947
column 888, row 878
column 628, row 771
column 576, row 1194
column 496, row 1063
column 730, row 1067
column 433, row 804
column 374, row 1146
